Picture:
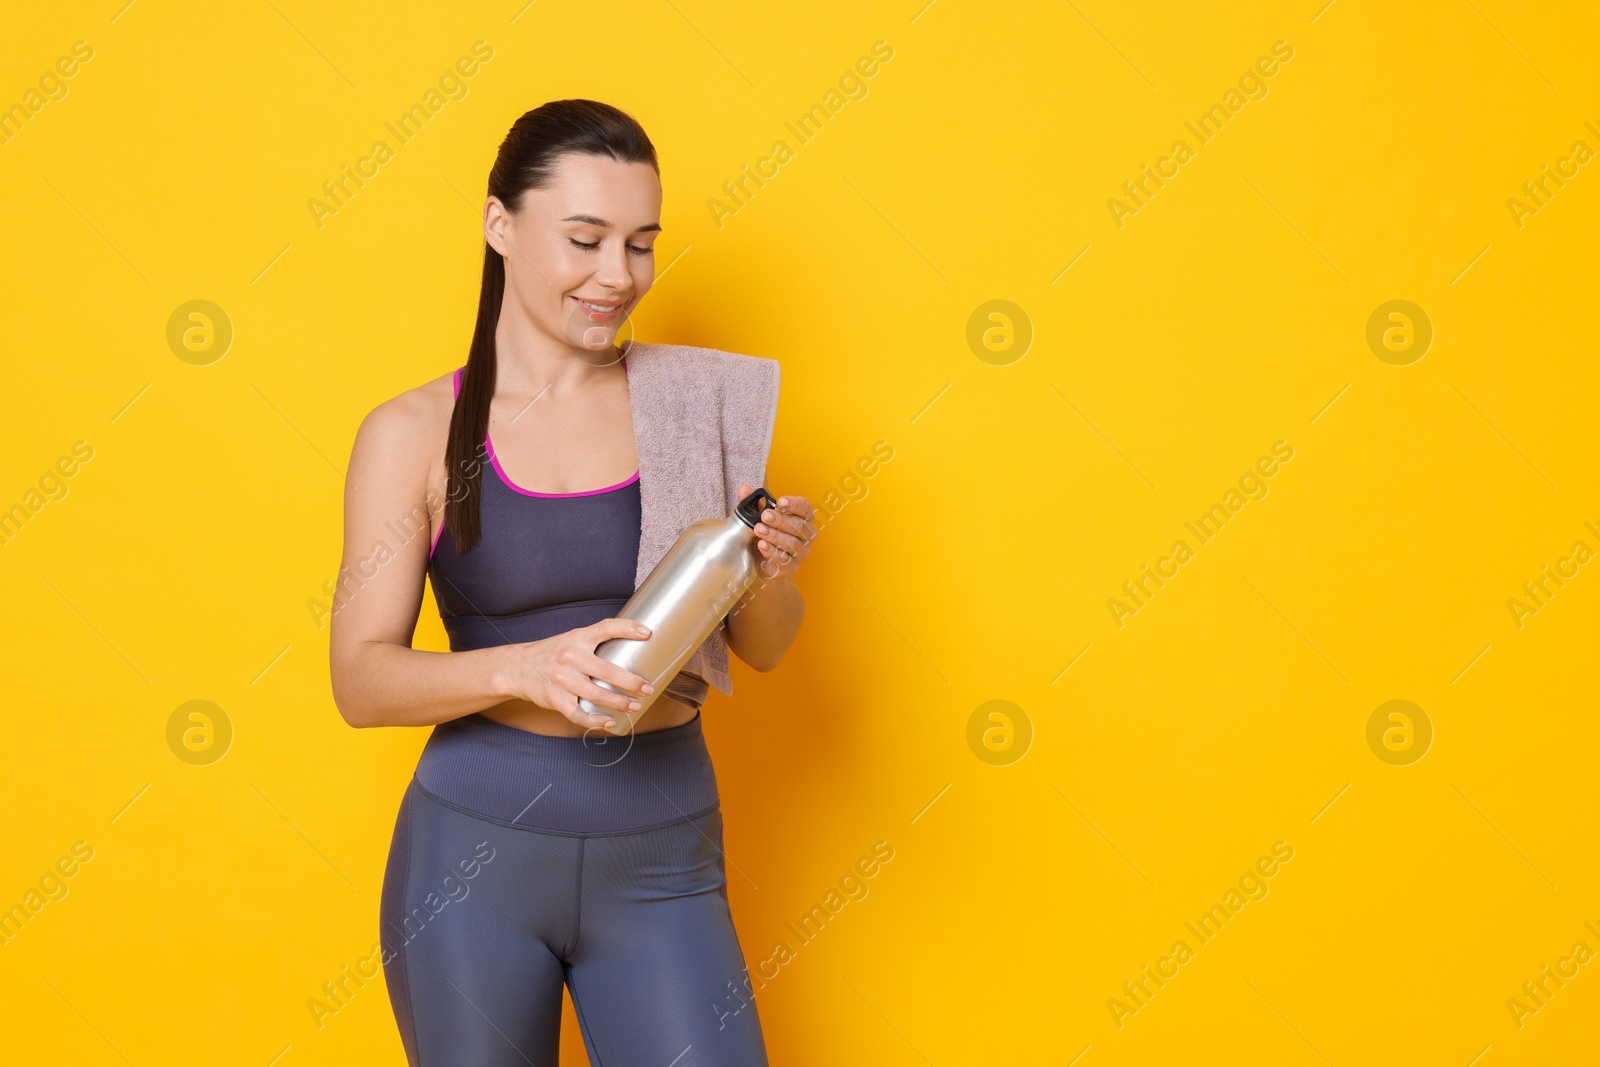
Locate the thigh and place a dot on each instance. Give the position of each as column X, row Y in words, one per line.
column 658, row 976
column 471, row 911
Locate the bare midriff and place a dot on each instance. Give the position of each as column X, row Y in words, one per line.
column 526, row 715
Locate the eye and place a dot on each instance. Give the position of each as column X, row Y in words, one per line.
column 585, row 247
column 641, row 251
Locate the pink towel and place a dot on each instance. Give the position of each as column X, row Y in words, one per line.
column 702, row 420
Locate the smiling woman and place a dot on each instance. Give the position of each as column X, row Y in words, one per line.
column 612, row 878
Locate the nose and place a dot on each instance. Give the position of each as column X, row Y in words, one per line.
column 613, row 269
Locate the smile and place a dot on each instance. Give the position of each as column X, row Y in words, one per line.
column 599, row 311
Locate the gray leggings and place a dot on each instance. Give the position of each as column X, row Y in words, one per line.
column 485, row 916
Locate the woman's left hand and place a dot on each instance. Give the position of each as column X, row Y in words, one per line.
column 785, row 534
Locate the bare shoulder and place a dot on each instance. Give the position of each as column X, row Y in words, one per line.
column 407, row 432
column 418, row 410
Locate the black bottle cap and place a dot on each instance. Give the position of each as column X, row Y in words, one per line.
column 751, row 507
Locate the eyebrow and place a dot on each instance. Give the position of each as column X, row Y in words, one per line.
column 592, row 221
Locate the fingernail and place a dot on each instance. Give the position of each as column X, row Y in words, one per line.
column 633, row 705
column 647, row 689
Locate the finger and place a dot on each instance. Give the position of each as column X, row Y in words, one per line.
column 573, row 710
column 788, row 540
column 797, row 505
column 791, row 521
column 776, row 559
column 584, row 687
column 777, row 555
column 784, row 546
column 591, row 722
column 618, row 627
column 597, row 669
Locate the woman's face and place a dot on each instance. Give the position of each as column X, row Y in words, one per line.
column 580, row 255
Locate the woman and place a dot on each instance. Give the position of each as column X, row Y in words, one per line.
column 532, row 849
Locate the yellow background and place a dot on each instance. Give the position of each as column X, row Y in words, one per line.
column 1230, row 313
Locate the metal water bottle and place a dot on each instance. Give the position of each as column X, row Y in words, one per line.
column 686, row 596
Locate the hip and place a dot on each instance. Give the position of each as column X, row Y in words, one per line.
column 593, row 784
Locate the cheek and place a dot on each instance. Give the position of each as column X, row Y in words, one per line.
column 564, row 266
column 544, row 275
column 538, row 253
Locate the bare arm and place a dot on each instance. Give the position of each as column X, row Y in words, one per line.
column 764, row 622
column 378, row 678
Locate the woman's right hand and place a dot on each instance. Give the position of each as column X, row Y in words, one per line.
column 556, row 672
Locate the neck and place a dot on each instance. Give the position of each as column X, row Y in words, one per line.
column 529, row 361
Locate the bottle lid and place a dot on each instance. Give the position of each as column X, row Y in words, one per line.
column 751, row 507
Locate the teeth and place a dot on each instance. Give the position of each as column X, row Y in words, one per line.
column 597, row 307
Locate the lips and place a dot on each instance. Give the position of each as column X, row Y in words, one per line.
column 600, row 311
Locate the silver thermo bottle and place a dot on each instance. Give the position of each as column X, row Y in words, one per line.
column 686, row 596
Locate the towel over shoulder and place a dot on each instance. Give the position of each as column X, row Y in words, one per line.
column 703, row 422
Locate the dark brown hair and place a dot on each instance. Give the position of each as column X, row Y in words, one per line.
column 526, row 160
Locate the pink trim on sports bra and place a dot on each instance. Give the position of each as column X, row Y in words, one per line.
column 494, row 461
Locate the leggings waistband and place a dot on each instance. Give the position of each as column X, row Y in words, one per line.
column 596, row 784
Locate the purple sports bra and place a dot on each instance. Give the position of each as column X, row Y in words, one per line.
column 545, row 563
